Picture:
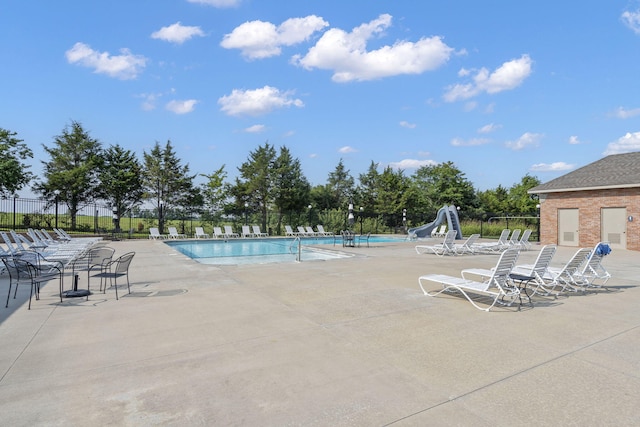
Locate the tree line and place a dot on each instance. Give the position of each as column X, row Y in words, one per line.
column 79, row 170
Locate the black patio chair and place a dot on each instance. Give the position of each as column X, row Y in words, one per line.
column 112, row 270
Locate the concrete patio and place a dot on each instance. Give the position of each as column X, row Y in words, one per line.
column 348, row 342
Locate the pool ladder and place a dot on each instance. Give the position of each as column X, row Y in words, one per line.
column 299, row 254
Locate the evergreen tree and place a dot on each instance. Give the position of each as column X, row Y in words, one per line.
column 214, row 193
column 120, row 180
column 341, row 186
column 73, row 169
column 167, row 182
column 14, row 173
column 255, row 185
column 291, row 189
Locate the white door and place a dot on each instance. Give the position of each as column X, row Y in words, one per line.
column 614, row 227
column 568, row 225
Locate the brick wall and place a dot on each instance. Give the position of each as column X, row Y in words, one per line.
column 589, row 203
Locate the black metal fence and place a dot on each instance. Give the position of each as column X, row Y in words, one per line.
column 23, row 213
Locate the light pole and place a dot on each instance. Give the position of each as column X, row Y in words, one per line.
column 404, row 219
column 57, row 194
column 246, row 206
column 538, row 208
column 161, row 216
column 361, row 215
column 309, row 213
column 15, row 197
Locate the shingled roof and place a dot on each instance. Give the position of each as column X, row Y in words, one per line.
column 615, row 171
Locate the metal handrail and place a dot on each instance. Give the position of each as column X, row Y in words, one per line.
column 299, row 255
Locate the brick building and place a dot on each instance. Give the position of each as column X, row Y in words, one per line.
column 598, row 202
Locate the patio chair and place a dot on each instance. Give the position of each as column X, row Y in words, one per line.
column 348, row 238
column 447, row 247
column 114, row 269
column 200, row 233
column 246, row 231
column 363, row 238
column 534, row 274
column 593, row 270
column 28, row 269
column 322, row 232
column 524, row 242
column 569, row 277
column 467, row 246
column 495, row 247
column 173, row 234
column 439, row 232
column 302, row 231
column 498, row 287
column 218, row 233
column 309, row 231
column 93, row 259
column 228, row 232
column 154, row 234
column 289, row 231
column 257, row 232
column 513, row 240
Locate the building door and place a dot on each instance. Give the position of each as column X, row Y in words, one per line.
column 568, row 226
column 614, row 227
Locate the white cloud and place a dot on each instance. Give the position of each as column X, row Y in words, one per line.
column 407, row 125
column 347, row 149
column 632, row 20
column 259, row 39
column 551, row 167
column 526, row 140
column 181, row 107
column 125, row 66
column 622, row 113
column 177, row 33
column 149, row 100
column 458, row 142
column 346, row 54
column 289, row 134
column 508, row 76
column 491, row 127
column 257, row 102
column 573, row 140
column 411, row 164
column 255, row 129
column 217, row 3
column 625, row 144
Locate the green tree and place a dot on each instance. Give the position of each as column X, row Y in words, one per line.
column 121, row 182
column 255, row 185
column 72, row 171
column 214, row 193
column 369, row 187
column 392, row 194
column 341, row 186
column 14, row 173
column 444, row 184
column 291, row 187
column 166, row 181
column 494, row 201
column 519, row 200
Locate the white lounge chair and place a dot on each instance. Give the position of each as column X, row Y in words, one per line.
column 513, row 240
column 439, row 232
column 246, row 232
column 322, row 232
column 257, row 232
column 289, row 231
column 524, row 242
column 447, row 247
column 218, row 233
column 467, row 246
column 569, row 277
column 493, row 247
column 498, row 287
column 310, row 231
column 534, row 274
column 173, row 234
column 302, row 231
column 154, row 234
column 593, row 270
column 200, row 234
column 228, row 232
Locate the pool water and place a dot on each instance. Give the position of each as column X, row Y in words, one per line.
column 261, row 251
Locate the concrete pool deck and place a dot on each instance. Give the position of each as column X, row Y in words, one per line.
column 347, row 342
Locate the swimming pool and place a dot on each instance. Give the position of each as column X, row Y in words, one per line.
column 262, row 251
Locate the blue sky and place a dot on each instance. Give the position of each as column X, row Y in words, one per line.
column 501, row 88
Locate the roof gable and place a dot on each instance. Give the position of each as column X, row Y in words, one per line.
column 615, row 171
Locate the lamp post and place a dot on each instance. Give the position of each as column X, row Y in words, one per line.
column 309, row 213
column 246, row 206
column 350, row 218
column 15, row 197
column 57, row 194
column 161, row 216
column 361, row 216
column 538, row 208
column 404, row 219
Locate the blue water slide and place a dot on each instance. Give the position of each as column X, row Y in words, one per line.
column 445, row 213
